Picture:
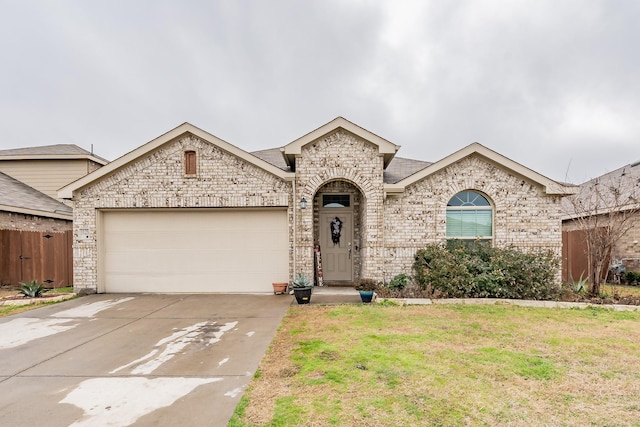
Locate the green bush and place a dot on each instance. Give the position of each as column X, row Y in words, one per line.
column 399, row 281
column 478, row 270
column 631, row 277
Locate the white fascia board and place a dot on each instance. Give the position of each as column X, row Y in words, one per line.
column 550, row 187
column 35, row 212
column 56, row 157
column 394, row 189
column 385, row 147
column 604, row 211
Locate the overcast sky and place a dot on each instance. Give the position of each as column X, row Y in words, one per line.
column 553, row 85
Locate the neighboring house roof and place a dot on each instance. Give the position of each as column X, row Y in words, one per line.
column 66, row 192
column 615, row 190
column 48, row 152
column 386, row 148
column 550, row 186
column 16, row 196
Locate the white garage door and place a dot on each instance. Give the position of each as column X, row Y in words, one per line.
column 194, row 250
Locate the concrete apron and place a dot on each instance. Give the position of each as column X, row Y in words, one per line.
column 144, row 360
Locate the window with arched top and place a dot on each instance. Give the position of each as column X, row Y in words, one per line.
column 469, row 216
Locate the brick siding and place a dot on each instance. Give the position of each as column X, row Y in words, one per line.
column 158, row 180
column 387, row 231
column 18, row 221
column 524, row 217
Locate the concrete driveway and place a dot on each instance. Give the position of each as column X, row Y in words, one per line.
column 143, row 360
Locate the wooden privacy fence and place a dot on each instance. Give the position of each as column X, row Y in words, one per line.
column 33, row 255
column 574, row 256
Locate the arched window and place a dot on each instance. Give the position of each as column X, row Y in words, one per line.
column 469, row 216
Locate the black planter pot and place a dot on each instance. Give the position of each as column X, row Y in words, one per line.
column 366, row 296
column 303, row 295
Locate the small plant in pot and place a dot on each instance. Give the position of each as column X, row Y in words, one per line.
column 301, row 285
column 279, row 288
column 367, row 288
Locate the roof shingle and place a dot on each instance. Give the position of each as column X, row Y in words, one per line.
column 17, row 194
column 49, row 150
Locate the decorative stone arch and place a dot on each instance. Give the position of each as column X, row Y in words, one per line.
column 367, row 219
column 338, row 174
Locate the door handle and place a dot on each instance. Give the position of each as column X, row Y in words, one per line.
column 349, row 253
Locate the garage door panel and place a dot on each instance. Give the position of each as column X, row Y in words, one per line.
column 195, row 251
column 136, row 241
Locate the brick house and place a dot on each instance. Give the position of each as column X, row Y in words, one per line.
column 188, row 212
column 35, row 236
column 47, row 168
column 613, row 194
column 35, row 226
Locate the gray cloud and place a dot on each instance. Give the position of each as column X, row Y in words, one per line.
column 552, row 85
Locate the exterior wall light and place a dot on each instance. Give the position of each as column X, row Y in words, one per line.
column 303, row 203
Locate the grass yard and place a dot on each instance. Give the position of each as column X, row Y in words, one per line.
column 448, row 366
column 610, row 289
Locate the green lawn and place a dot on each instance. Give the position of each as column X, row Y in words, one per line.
column 448, row 366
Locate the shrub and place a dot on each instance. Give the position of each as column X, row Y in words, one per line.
column 366, row 285
column 579, row 286
column 31, row 289
column 631, row 277
column 481, row 271
column 399, row 281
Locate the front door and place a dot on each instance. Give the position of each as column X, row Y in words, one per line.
column 336, row 245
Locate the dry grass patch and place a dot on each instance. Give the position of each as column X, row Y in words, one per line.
column 9, row 292
column 448, row 365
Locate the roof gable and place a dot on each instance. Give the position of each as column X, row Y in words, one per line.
column 178, row 132
column 550, row 186
column 386, row 148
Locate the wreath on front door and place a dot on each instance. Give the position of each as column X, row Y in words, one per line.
column 336, row 230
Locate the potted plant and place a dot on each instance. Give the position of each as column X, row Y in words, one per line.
column 279, row 287
column 366, row 287
column 301, row 285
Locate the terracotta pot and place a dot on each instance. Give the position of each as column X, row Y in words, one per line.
column 279, row 287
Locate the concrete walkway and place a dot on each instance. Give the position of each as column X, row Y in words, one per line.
column 324, row 295
column 329, row 295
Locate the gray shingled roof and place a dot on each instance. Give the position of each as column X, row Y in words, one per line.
column 273, row 156
column 398, row 169
column 49, row 150
column 17, row 194
column 626, row 180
